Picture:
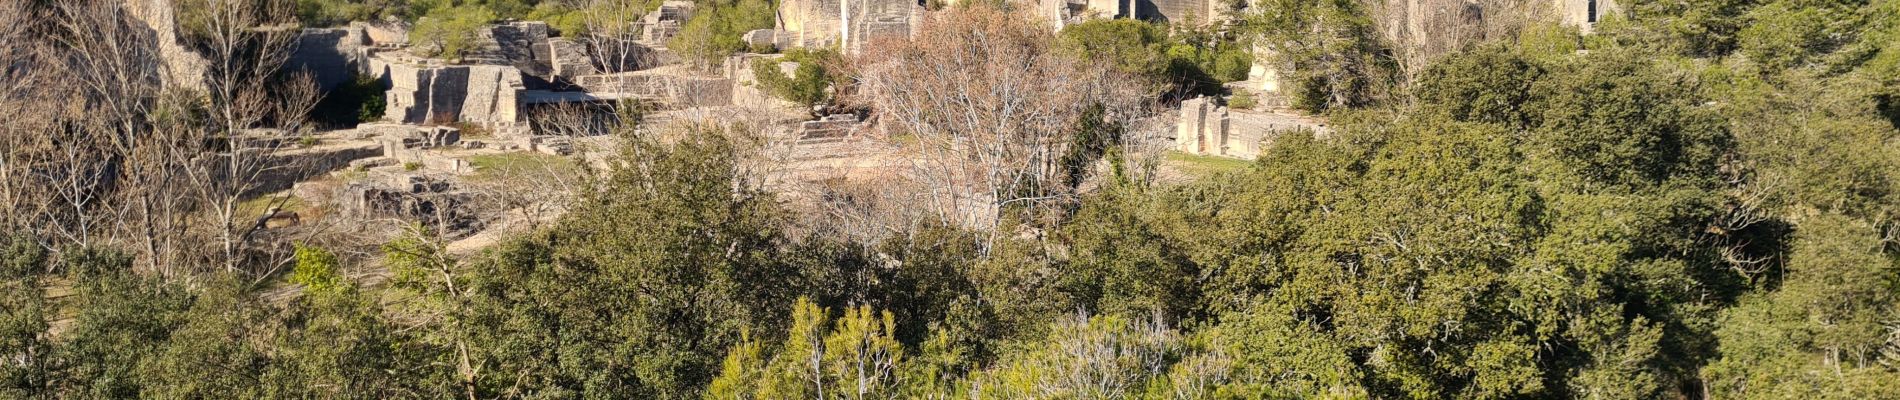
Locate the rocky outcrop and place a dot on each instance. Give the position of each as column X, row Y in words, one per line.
column 847, row 24
column 182, row 67
column 485, row 95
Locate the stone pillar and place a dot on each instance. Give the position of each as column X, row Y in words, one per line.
column 1189, row 129
column 1217, row 132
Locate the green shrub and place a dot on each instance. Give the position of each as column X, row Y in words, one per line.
column 449, row 32
column 716, row 29
column 1195, row 60
column 356, row 101
column 1241, row 100
column 809, row 85
column 316, row 270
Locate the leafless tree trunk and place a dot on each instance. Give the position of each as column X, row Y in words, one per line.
column 252, row 111
column 993, row 108
column 612, row 30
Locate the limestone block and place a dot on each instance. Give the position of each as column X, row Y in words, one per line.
column 183, row 67
column 441, row 136
column 761, row 38
column 569, row 59
column 556, row 145
column 368, row 163
column 1188, row 128
column 1218, row 134
column 388, row 33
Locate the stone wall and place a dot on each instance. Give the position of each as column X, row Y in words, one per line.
column 1202, row 128
column 846, row 23
column 663, row 23
column 487, row 95
column 1199, row 11
column 523, row 45
column 1584, row 14
column 810, row 23
column 675, row 89
column 1206, row 128
column 867, row 20
column 568, row 59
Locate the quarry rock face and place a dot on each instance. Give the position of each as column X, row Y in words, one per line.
column 332, row 56
column 481, row 94
column 848, row 24
column 182, row 67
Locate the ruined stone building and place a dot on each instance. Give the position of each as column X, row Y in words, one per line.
column 663, row 23
column 1194, row 12
column 846, row 24
column 514, row 68
column 1584, row 14
column 1209, row 129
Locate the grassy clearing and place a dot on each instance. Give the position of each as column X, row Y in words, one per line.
column 258, row 205
column 1198, row 165
column 522, row 164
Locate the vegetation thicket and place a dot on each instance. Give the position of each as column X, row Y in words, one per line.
column 1701, row 200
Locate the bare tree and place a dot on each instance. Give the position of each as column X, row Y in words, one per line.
column 993, row 107
column 612, row 33
column 252, row 110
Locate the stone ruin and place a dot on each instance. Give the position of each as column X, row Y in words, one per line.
column 1584, row 14
column 1209, row 129
column 430, row 199
column 830, row 129
column 847, row 24
column 514, row 68
column 664, row 23
column 485, row 95
column 1202, row 128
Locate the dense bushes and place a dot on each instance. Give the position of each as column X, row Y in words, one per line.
column 813, row 83
column 1172, row 59
column 716, row 27
column 1535, row 223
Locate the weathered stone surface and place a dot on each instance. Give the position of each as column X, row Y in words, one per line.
column 332, row 56
column 431, row 200
column 569, row 59
column 848, row 24
column 1584, row 14
column 183, row 68
column 1181, row 11
column 1205, row 128
column 556, row 145
column 1192, row 134
column 388, row 33
column 486, row 95
column 760, row 38
column 374, row 162
column 663, row 23
column 830, row 128
column 672, row 88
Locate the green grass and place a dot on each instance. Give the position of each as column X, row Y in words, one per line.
column 524, row 164
column 257, row 205
column 1205, row 165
